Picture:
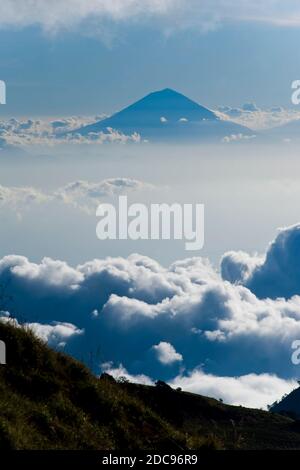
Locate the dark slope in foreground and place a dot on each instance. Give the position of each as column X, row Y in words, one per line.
column 50, row 401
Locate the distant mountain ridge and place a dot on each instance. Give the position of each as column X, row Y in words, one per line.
column 167, row 115
column 289, row 404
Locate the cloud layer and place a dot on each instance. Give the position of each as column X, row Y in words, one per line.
column 252, row 390
column 249, row 115
column 174, row 323
column 23, row 133
column 39, row 132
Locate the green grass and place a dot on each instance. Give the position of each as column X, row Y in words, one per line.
column 50, row 401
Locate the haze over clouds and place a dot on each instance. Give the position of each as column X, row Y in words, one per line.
column 173, row 14
column 186, row 323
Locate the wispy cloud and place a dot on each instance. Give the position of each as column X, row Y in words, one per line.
column 84, row 195
column 172, row 14
column 255, row 118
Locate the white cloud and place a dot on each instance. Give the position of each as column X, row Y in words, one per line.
column 275, row 275
column 252, row 390
column 237, row 266
column 56, row 334
column 237, row 138
column 171, row 15
column 222, row 311
column 120, row 372
column 166, row 353
column 49, row 273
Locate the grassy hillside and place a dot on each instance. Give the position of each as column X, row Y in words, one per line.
column 50, row 401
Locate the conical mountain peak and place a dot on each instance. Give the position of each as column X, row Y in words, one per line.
column 166, row 115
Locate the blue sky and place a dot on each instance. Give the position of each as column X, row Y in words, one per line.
column 65, row 72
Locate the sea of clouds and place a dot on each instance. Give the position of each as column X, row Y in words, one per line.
column 222, row 332
column 24, row 133
column 46, row 132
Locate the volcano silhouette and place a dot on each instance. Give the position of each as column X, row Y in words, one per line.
column 167, row 115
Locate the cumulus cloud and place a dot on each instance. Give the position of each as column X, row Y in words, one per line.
column 56, row 334
column 169, row 14
column 275, row 275
column 166, row 353
column 221, row 311
column 237, row 266
column 187, row 299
